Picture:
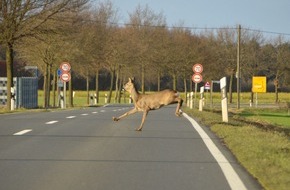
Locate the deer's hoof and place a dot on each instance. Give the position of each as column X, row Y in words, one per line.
column 178, row 114
column 138, row 129
column 115, row 119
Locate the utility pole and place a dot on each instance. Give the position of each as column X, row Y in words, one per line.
column 238, row 74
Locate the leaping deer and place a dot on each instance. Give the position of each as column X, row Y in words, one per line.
column 145, row 103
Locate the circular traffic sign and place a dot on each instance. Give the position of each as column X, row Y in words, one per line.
column 196, row 78
column 59, row 72
column 197, row 68
column 65, row 77
column 65, row 66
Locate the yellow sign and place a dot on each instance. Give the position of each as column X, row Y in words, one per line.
column 259, row 84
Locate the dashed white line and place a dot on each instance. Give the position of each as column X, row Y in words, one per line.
column 94, row 112
column 85, row 114
column 70, row 117
column 51, row 122
column 23, row 132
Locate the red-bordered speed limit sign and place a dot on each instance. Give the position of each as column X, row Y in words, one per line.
column 65, row 77
column 197, row 68
column 65, row 66
column 196, row 78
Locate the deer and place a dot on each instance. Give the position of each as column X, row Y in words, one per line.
column 147, row 102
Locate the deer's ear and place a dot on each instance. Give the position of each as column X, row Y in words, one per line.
column 131, row 79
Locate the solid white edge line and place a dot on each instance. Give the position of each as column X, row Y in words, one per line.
column 23, row 132
column 232, row 177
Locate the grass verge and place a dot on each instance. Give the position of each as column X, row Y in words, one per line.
column 264, row 153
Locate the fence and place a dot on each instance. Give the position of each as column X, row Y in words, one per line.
column 26, row 93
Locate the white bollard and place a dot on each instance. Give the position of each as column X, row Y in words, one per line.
column 130, row 99
column 12, row 98
column 61, row 100
column 106, row 98
column 191, row 100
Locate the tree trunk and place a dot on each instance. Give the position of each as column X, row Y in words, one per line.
column 174, row 81
column 54, row 88
column 190, row 85
column 120, row 89
column 9, row 69
column 143, row 79
column 252, row 97
column 231, row 88
column 71, row 101
column 158, row 82
column 185, row 88
column 48, row 84
column 97, row 85
column 111, row 86
column 88, row 89
column 276, row 84
column 117, row 84
column 44, row 88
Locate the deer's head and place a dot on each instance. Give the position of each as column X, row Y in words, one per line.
column 129, row 85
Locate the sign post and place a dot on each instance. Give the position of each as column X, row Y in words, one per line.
column 259, row 84
column 196, row 77
column 65, row 77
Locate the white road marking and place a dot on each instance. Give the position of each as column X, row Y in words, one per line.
column 94, row 112
column 23, row 132
column 103, row 111
column 51, row 122
column 70, row 117
column 232, row 177
column 85, row 114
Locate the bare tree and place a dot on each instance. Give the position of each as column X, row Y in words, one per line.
column 25, row 18
column 143, row 22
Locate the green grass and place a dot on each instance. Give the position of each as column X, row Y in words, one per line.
column 279, row 117
column 264, row 153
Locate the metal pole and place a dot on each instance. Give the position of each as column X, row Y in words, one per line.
column 195, row 92
column 238, row 75
column 64, row 95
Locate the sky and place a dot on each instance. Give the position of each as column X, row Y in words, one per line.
column 264, row 15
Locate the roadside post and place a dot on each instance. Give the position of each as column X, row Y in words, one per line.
column 201, row 101
column 191, row 100
column 106, row 98
column 13, row 98
column 224, row 101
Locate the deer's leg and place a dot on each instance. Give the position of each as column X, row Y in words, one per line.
column 125, row 114
column 143, row 119
column 179, row 104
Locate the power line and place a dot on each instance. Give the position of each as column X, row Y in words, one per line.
column 191, row 28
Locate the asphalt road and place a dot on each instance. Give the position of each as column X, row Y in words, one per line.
column 85, row 150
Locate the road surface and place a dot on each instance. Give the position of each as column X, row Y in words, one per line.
column 84, row 149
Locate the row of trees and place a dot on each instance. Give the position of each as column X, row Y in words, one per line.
column 91, row 39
